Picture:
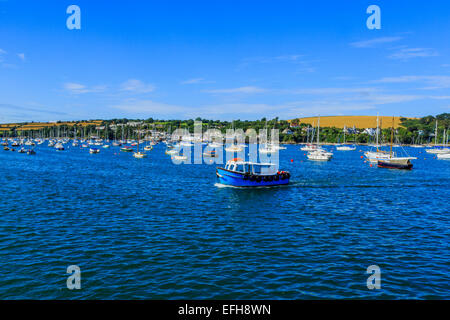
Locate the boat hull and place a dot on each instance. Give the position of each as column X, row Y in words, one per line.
column 390, row 165
column 237, row 179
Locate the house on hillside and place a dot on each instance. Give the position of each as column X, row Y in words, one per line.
column 370, row 131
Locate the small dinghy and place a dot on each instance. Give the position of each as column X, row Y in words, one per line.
column 210, row 154
column 139, row 155
column 126, row 149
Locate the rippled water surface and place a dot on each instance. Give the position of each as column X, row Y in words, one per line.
column 149, row 229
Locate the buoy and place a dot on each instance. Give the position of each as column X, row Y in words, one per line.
column 292, row 160
column 362, row 157
column 370, row 164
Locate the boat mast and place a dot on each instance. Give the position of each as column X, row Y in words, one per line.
column 139, row 137
column 392, row 135
column 345, row 129
column 318, row 129
column 377, row 131
column 435, row 135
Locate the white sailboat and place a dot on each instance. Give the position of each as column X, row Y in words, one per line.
column 394, row 161
column 345, row 147
column 138, row 154
column 319, row 154
column 437, row 150
column 374, row 156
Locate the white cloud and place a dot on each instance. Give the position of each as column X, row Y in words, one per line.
column 78, row 88
column 434, row 82
column 392, row 98
column 294, row 58
column 374, row 42
column 196, row 81
column 248, row 89
column 21, row 56
column 324, row 91
column 408, row 53
column 2, row 51
column 137, row 86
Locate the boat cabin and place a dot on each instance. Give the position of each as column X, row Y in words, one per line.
column 252, row 168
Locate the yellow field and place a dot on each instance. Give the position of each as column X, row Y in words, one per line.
column 41, row 125
column 350, row 121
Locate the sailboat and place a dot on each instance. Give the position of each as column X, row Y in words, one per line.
column 271, row 147
column 393, row 161
column 344, row 147
column 374, row 156
column 138, row 154
column 233, row 147
column 309, row 146
column 75, row 141
column 59, row 146
column 446, row 155
column 319, row 154
column 437, row 150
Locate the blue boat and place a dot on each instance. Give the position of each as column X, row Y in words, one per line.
column 240, row 173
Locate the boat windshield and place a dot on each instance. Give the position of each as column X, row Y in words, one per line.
column 240, row 167
column 254, row 168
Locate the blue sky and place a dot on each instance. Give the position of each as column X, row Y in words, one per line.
column 222, row 59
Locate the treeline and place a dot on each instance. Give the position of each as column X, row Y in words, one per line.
column 411, row 130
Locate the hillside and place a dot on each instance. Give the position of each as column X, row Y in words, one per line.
column 43, row 125
column 350, row 121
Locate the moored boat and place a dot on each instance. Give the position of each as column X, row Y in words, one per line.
column 444, row 156
column 238, row 173
column 403, row 163
column 210, row 154
column 319, row 155
column 126, row 149
column 345, row 148
column 180, row 157
column 59, row 146
column 139, row 155
column 393, row 161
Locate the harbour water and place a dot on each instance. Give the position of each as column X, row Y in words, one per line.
column 149, row 229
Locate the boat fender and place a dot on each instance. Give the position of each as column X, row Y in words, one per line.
column 258, row 179
column 252, row 178
column 276, row 178
column 288, row 175
column 246, row 176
